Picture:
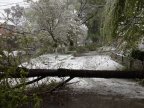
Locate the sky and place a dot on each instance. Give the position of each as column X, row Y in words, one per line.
column 8, row 3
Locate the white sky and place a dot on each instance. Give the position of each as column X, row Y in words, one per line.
column 8, row 3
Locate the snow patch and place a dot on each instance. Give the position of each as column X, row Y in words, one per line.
column 102, row 86
column 52, row 61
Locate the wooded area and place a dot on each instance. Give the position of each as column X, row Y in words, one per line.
column 88, row 39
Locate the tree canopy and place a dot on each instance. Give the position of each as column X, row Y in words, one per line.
column 123, row 22
column 59, row 20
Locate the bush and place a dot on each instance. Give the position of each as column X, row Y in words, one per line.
column 91, row 47
column 81, row 49
column 12, row 96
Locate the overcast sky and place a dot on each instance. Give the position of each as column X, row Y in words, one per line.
column 8, row 3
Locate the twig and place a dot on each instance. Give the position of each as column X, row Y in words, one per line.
column 30, row 82
column 61, row 84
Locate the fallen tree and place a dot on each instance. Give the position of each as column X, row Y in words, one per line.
column 128, row 74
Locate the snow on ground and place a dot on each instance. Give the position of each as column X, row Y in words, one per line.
column 52, row 61
column 102, row 86
column 114, row 87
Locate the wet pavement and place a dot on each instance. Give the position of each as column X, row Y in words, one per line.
column 89, row 100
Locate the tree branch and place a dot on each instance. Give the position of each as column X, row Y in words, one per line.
column 30, row 82
column 61, row 84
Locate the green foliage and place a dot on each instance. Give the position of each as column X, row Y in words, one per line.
column 37, row 101
column 94, row 23
column 81, row 49
column 111, row 19
column 98, row 2
column 12, row 96
column 92, row 47
column 123, row 21
column 95, row 37
column 140, row 81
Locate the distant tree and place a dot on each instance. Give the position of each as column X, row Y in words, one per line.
column 90, row 12
column 58, row 19
column 10, row 94
column 12, row 18
column 14, row 14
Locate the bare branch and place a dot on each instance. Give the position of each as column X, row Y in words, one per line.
column 30, row 82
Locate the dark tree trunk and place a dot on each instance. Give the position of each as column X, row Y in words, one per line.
column 78, row 73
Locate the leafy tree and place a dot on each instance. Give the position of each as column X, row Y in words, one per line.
column 14, row 14
column 124, row 22
column 90, row 13
column 59, row 20
column 12, row 95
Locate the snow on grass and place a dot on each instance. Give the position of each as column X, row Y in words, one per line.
column 113, row 87
column 52, row 61
column 102, row 86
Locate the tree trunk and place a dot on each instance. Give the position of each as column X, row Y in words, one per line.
column 78, row 73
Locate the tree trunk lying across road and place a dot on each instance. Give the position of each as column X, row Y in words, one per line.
column 78, row 73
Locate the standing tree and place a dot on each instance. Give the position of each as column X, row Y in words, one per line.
column 12, row 19
column 13, row 90
column 124, row 22
column 90, row 12
column 57, row 18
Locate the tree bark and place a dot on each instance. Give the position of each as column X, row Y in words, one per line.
column 77, row 73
